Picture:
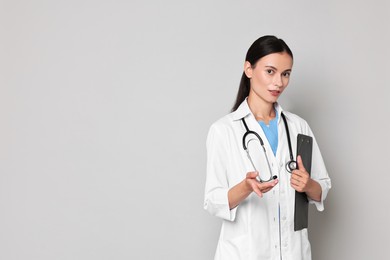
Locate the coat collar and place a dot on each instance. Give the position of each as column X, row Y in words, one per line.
column 243, row 110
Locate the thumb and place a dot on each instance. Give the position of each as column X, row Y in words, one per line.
column 300, row 163
column 251, row 175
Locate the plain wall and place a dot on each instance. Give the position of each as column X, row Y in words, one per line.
column 105, row 108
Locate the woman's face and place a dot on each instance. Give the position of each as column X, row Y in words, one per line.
column 269, row 76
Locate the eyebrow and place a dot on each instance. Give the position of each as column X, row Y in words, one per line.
column 272, row 67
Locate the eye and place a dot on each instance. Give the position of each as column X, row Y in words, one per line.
column 286, row 74
column 270, row 71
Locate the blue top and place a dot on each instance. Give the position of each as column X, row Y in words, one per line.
column 271, row 132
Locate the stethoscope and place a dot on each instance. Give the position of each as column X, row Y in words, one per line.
column 290, row 165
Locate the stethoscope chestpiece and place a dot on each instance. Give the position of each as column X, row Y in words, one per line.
column 291, row 165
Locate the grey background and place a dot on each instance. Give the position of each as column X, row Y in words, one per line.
column 105, row 108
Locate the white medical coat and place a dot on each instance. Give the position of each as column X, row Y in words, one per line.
column 255, row 229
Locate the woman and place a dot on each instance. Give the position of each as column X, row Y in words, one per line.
column 251, row 190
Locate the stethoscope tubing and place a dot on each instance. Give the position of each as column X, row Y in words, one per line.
column 290, row 165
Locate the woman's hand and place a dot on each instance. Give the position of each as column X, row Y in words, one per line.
column 250, row 184
column 301, row 182
column 300, row 178
column 258, row 187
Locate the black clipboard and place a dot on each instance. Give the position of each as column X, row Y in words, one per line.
column 301, row 209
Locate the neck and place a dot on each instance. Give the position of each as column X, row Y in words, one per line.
column 263, row 111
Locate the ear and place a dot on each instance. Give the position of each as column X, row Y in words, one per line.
column 248, row 70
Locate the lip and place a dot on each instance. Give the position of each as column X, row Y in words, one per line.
column 274, row 93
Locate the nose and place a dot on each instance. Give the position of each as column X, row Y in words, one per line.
column 278, row 81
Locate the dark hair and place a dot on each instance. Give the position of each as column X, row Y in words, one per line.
column 261, row 47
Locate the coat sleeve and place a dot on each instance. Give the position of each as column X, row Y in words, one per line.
column 319, row 174
column 217, row 184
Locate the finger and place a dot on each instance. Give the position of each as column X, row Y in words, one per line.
column 296, row 179
column 270, row 184
column 302, row 177
column 266, row 190
column 301, row 167
column 300, row 173
column 257, row 190
column 295, row 182
column 296, row 185
column 296, row 176
column 266, row 186
column 297, row 188
column 252, row 175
